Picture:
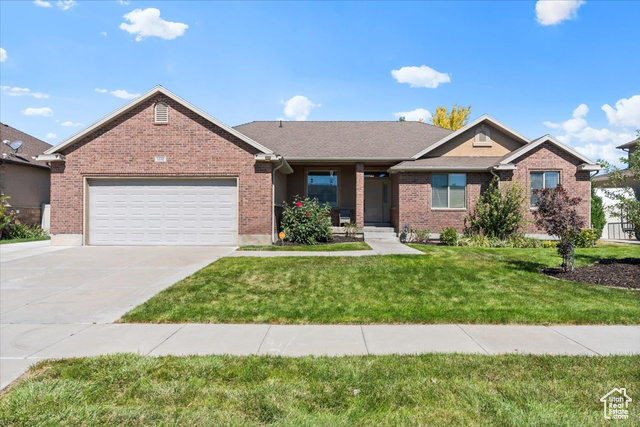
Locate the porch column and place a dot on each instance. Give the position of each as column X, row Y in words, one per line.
column 360, row 195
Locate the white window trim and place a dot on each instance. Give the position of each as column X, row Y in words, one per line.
column 449, row 208
column 544, row 183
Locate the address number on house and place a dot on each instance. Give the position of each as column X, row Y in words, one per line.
column 160, row 159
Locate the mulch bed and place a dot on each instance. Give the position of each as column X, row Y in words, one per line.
column 337, row 238
column 620, row 273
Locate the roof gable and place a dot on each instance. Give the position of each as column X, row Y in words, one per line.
column 536, row 143
column 156, row 90
column 484, row 118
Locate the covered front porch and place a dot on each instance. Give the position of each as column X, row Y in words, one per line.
column 357, row 192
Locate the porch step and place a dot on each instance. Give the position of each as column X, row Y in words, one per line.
column 375, row 229
column 388, row 236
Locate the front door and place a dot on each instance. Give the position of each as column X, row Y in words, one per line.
column 376, row 200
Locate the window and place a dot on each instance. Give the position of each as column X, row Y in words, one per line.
column 540, row 180
column 483, row 136
column 161, row 113
column 323, row 185
column 449, row 190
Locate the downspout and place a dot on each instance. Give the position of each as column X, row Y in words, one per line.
column 273, row 199
column 492, row 170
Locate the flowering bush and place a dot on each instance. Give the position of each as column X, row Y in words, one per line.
column 305, row 221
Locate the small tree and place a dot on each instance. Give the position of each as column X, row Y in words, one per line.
column 497, row 212
column 598, row 218
column 453, row 120
column 6, row 215
column 556, row 214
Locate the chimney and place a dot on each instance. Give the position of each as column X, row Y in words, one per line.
column 280, row 123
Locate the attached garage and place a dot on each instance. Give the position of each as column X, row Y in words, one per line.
column 162, row 212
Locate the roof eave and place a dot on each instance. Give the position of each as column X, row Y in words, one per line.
column 547, row 138
column 347, row 159
column 437, row 169
column 157, row 89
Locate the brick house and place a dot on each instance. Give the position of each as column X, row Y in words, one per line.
column 161, row 171
column 23, row 178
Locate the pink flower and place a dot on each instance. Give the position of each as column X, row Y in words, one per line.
column 307, row 214
column 299, row 204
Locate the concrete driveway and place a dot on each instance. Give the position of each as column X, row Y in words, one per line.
column 44, row 284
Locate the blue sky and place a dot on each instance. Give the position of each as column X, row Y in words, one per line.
column 537, row 67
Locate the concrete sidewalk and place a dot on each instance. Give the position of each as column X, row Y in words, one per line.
column 22, row 345
column 378, row 247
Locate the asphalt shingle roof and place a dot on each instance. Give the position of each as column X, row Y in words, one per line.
column 356, row 140
column 31, row 147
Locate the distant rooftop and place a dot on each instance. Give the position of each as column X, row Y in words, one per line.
column 30, row 148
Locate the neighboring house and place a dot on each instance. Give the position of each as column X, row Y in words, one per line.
column 161, row 171
column 22, row 177
column 617, row 227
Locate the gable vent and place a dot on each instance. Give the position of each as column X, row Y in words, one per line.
column 161, row 113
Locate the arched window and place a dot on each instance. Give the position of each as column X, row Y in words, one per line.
column 483, row 136
column 161, row 113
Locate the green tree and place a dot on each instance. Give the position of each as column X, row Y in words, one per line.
column 454, row 120
column 598, row 218
column 498, row 212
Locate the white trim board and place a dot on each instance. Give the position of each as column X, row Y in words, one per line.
column 156, row 90
column 547, row 138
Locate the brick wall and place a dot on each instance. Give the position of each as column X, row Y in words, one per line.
column 548, row 157
column 414, row 201
column 360, row 194
column 414, row 190
column 194, row 147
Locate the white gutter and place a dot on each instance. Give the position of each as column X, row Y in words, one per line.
column 588, row 167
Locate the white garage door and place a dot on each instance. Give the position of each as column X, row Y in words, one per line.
column 163, row 212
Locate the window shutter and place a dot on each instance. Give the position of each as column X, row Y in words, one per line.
column 161, row 113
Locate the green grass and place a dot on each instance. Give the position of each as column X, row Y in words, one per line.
column 447, row 285
column 330, row 247
column 30, row 239
column 452, row 389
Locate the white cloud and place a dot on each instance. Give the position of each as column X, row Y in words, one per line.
column 65, row 4
column 299, row 107
column 124, row 2
column 552, row 12
column 625, row 113
column 147, row 23
column 22, row 91
column 593, row 143
column 71, row 124
column 104, row 33
column 123, row 94
column 118, row 93
column 3, row 55
column 44, row 112
column 42, row 3
column 415, row 115
column 422, row 76
column 51, row 135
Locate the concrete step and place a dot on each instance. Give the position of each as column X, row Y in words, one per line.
column 371, row 229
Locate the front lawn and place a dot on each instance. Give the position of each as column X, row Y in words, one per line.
column 430, row 389
column 447, row 285
column 30, row 239
column 329, row 247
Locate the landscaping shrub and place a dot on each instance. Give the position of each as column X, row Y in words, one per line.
column 449, row 236
column 306, row 221
column 498, row 212
column 351, row 229
column 420, row 235
column 516, row 241
column 557, row 215
column 549, row 244
column 598, row 218
column 21, row 231
column 6, row 215
column 587, row 238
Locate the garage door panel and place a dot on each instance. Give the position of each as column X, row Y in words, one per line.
column 162, row 212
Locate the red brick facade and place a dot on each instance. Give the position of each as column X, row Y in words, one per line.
column 360, row 194
column 193, row 146
column 413, row 190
